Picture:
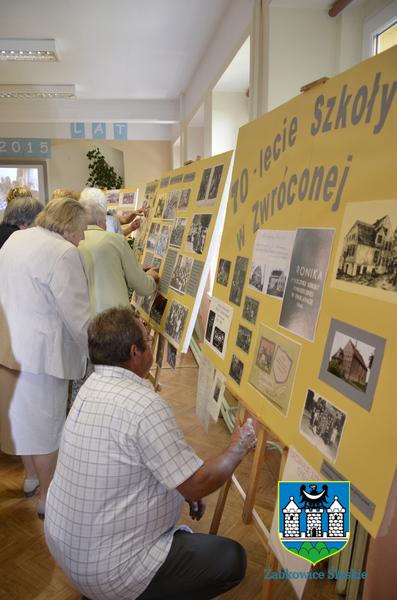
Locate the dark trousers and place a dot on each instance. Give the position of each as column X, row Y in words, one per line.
column 198, row 567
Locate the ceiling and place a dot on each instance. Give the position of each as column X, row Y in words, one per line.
column 118, row 49
column 130, row 60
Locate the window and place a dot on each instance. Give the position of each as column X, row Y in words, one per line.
column 386, row 39
column 30, row 175
column 380, row 31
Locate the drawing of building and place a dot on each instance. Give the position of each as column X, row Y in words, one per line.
column 315, row 528
column 351, row 364
column 369, row 249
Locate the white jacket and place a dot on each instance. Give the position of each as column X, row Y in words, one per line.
column 44, row 305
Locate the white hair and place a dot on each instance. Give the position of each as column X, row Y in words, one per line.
column 92, row 193
column 94, row 201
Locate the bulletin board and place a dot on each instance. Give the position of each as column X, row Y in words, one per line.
column 303, row 317
column 182, row 234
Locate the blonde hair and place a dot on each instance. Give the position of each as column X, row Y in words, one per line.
column 20, row 191
column 64, row 193
column 63, row 216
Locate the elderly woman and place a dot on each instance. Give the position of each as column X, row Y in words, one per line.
column 64, row 193
column 19, row 214
column 122, row 224
column 19, row 191
column 44, row 314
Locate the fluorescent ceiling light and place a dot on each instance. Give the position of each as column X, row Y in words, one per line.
column 29, row 91
column 24, row 49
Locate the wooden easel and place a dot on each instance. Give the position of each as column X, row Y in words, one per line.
column 249, row 514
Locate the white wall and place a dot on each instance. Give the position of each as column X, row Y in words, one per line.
column 138, row 162
column 303, row 47
column 144, row 161
column 68, row 165
column 229, row 112
column 176, row 154
column 306, row 44
column 195, row 142
column 233, row 30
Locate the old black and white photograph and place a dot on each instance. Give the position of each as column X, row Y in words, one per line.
column 222, row 276
column 153, row 236
column 243, row 340
column 198, row 233
column 184, row 199
column 181, row 273
column 171, row 205
column 218, row 340
column 214, row 183
column 171, row 355
column 276, row 283
column 257, row 277
column 351, row 361
column 367, row 251
column 216, row 396
column 175, row 321
column 158, row 308
column 158, row 213
column 156, row 263
column 147, row 302
column 236, row 369
column 322, row 424
column 204, row 185
column 210, row 325
column 162, row 241
column 218, row 326
column 270, row 261
column 240, row 272
column 177, row 232
column 250, row 309
column 217, row 391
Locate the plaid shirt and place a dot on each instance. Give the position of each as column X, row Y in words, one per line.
column 112, row 505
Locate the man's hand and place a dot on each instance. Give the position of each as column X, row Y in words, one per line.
column 197, row 509
column 153, row 273
column 136, row 223
column 244, row 436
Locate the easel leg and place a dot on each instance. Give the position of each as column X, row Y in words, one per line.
column 220, row 505
column 254, row 475
column 271, row 561
column 268, row 584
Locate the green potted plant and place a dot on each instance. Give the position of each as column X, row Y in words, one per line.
column 101, row 174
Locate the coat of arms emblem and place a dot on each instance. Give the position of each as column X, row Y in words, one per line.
column 314, row 517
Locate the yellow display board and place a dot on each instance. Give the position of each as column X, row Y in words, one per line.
column 303, row 319
column 181, row 236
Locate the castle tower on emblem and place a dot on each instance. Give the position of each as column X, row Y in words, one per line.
column 335, row 519
column 314, row 517
column 291, row 519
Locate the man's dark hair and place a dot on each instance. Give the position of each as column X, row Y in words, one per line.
column 111, row 334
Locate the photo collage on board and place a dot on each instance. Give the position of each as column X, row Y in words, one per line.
column 292, row 267
column 177, row 241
